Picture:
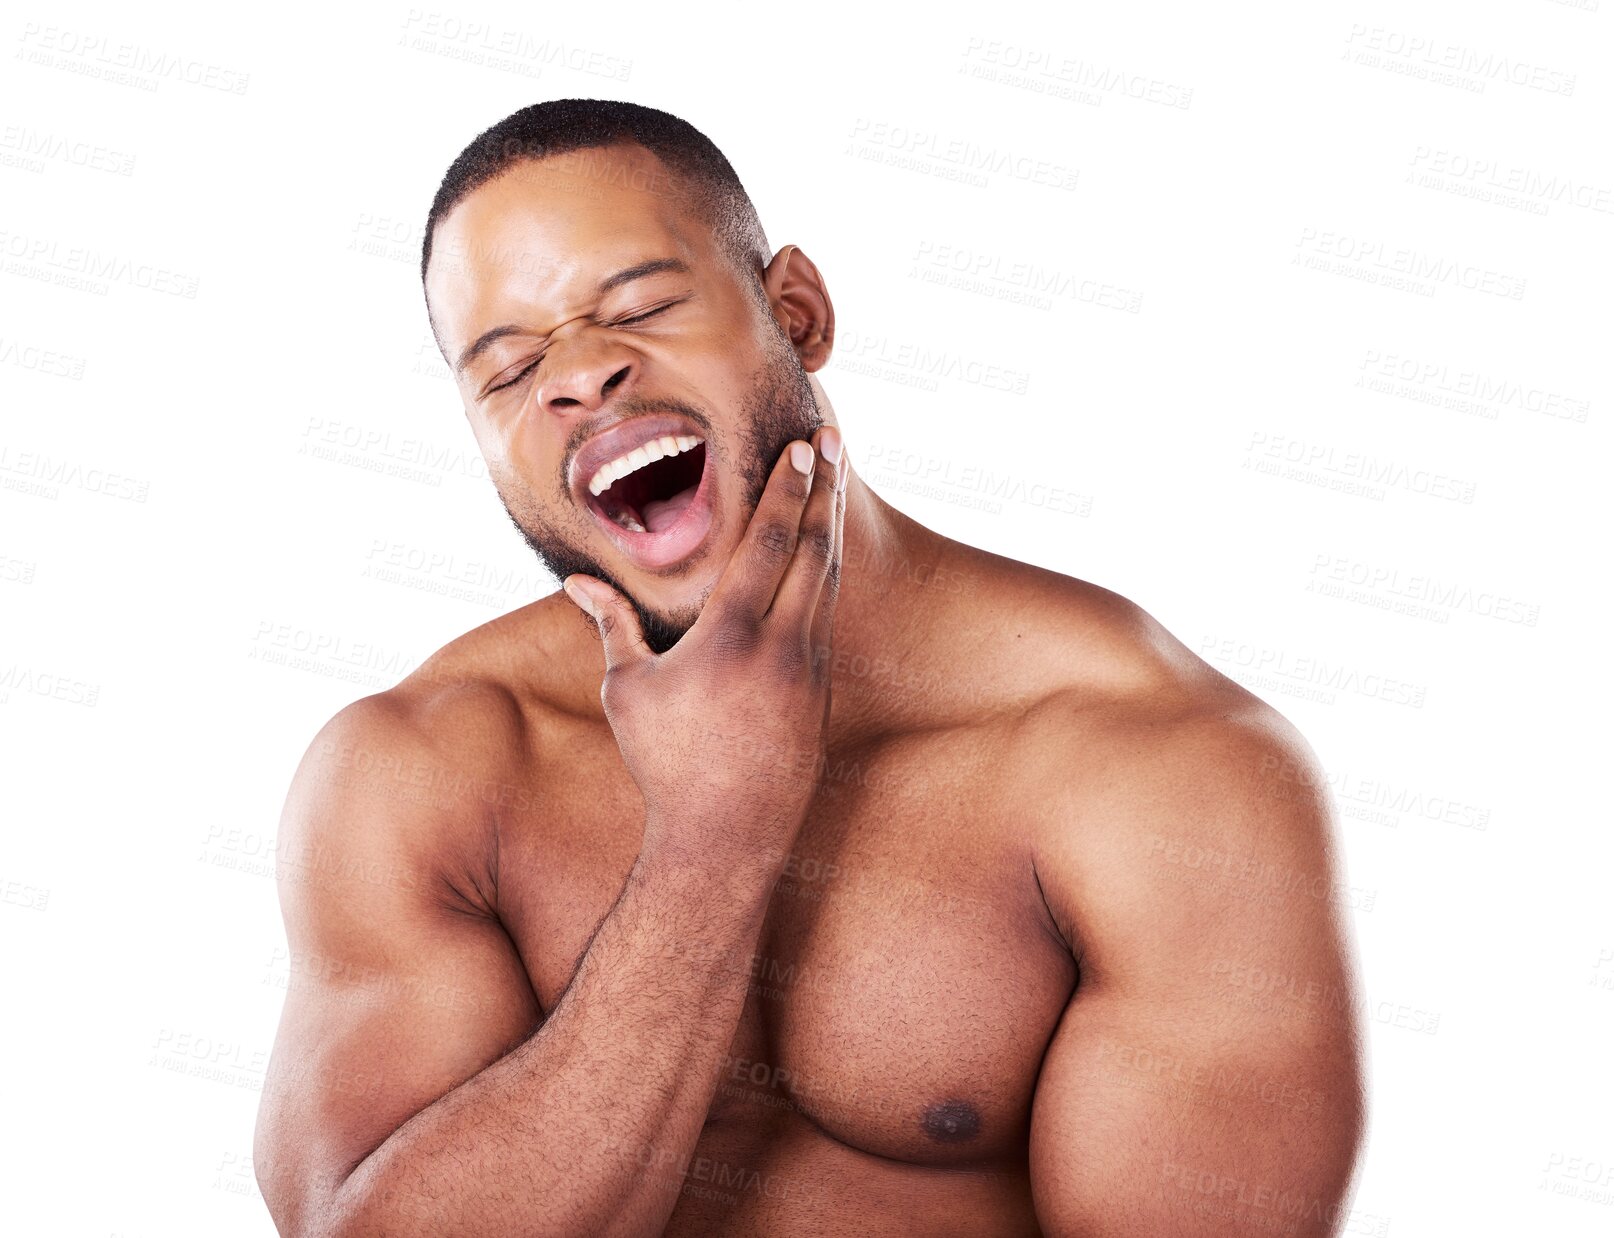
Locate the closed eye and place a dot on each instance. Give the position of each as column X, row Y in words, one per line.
column 533, row 364
column 646, row 314
column 525, row 370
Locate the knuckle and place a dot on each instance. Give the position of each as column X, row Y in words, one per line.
column 819, row 541
column 721, row 612
column 620, row 679
column 791, row 658
column 791, row 667
column 832, row 578
column 776, row 539
column 795, row 485
column 737, row 635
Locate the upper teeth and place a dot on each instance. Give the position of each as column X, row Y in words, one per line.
column 655, row 449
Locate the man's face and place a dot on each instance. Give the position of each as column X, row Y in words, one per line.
column 606, row 369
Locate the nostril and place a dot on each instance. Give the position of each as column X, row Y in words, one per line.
column 615, row 380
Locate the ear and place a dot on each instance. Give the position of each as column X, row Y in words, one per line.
column 801, row 306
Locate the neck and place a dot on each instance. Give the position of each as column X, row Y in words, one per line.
column 884, row 561
column 890, row 570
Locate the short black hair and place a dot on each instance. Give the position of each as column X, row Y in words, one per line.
column 562, row 126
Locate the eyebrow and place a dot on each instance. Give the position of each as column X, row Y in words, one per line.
column 654, row 266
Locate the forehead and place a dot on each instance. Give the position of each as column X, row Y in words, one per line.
column 537, row 238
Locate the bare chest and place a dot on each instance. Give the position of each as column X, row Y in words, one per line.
column 905, row 983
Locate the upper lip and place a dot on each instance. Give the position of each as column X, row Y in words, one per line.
column 619, row 440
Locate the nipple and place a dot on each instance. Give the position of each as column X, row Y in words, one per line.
column 951, row 1121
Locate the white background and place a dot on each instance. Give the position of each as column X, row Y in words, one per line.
column 224, row 515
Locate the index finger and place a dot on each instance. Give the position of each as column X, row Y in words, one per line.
column 816, row 562
column 824, row 616
column 753, row 573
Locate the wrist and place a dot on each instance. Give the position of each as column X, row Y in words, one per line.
column 739, row 858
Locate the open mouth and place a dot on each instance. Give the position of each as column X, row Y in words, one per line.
column 653, row 500
column 647, row 490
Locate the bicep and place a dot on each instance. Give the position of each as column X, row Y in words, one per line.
column 1205, row 1079
column 1155, row 1121
column 396, row 994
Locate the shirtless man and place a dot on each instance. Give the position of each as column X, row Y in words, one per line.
column 803, row 871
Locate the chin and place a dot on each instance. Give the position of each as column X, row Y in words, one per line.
column 662, row 628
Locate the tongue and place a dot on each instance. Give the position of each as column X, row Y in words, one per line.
column 659, row 514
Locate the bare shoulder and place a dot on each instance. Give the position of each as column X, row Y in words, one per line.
column 1065, row 644
column 428, row 767
column 477, row 698
column 1135, row 749
column 1173, row 814
column 539, row 655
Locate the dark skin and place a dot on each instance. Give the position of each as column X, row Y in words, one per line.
column 913, row 891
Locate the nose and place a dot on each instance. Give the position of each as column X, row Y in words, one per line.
column 581, row 369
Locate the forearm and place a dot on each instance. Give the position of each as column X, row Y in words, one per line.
column 588, row 1125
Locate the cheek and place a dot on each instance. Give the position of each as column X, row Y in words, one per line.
column 523, row 456
column 716, row 362
column 520, row 484
column 489, row 442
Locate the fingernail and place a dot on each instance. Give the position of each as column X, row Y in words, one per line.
column 801, row 456
column 829, row 443
column 581, row 598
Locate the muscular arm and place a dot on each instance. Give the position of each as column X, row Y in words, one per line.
column 471, row 1125
column 1206, row 1077
column 408, row 1093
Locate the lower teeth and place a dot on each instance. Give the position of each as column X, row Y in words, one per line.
column 629, row 523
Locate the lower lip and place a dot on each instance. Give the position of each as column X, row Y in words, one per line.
column 653, row 551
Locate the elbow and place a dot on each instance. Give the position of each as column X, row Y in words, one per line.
column 327, row 1215
column 344, row 1213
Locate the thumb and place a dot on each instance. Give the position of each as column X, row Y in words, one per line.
column 617, row 620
